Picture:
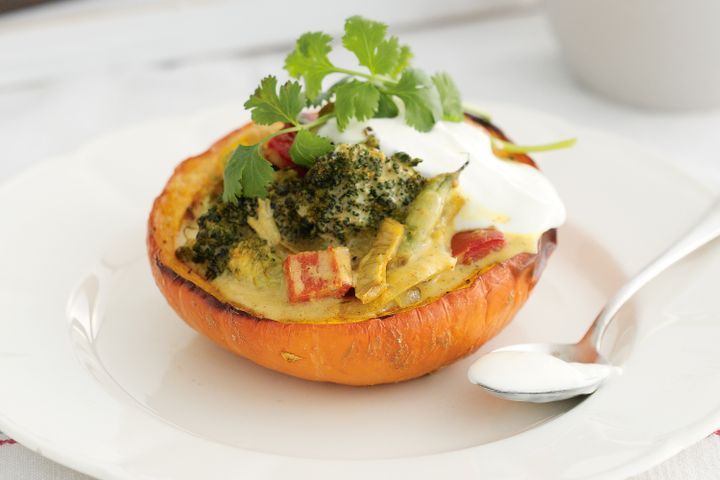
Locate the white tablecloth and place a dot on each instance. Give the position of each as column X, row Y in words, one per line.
column 71, row 71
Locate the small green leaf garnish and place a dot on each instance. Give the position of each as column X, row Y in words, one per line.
column 449, row 97
column 247, row 173
column 421, row 99
column 386, row 107
column 327, row 95
column 268, row 107
column 357, row 100
column 366, row 39
column 310, row 61
column 308, row 147
column 403, row 61
column 512, row 148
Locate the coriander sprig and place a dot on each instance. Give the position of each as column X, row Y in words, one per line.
column 386, row 80
column 426, row 100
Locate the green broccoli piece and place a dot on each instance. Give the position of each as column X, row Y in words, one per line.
column 220, row 229
column 346, row 191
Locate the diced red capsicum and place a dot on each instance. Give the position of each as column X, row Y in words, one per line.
column 472, row 245
column 318, row 274
column 277, row 150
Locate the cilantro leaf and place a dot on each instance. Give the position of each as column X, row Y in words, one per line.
column 366, row 39
column 387, row 56
column 326, row 95
column 403, row 61
column 308, row 147
column 386, row 107
column 449, row 97
column 355, row 100
column 268, row 107
column 420, row 97
column 246, row 173
column 310, row 61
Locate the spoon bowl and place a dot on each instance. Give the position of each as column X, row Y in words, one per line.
column 547, row 372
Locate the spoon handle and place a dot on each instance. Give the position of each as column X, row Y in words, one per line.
column 707, row 229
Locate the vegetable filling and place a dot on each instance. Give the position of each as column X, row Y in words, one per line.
column 299, row 220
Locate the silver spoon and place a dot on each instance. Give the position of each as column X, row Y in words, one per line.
column 586, row 351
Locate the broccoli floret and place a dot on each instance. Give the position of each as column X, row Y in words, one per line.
column 220, row 229
column 348, row 190
column 254, row 260
column 287, row 195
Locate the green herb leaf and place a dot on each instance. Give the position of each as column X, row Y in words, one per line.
column 420, row 97
column 387, row 56
column 366, row 39
column 326, row 96
column 308, row 147
column 268, row 107
column 449, row 97
column 246, row 173
column 310, row 61
column 355, row 100
column 403, row 61
column 386, row 107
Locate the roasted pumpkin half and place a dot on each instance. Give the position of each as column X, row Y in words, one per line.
column 368, row 233
column 388, row 301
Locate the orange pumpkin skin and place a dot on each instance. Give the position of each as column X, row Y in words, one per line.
column 394, row 348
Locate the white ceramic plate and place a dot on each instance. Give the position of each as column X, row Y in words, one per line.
column 97, row 372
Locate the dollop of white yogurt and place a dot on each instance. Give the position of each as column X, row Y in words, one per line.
column 511, row 196
column 534, row 372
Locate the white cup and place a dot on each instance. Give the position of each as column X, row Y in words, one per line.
column 651, row 53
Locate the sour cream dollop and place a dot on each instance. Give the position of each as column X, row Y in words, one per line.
column 511, row 196
column 534, row 372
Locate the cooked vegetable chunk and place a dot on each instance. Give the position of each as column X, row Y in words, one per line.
column 431, row 263
column 423, row 215
column 371, row 275
column 473, row 245
column 264, row 224
column 430, row 257
column 318, row 274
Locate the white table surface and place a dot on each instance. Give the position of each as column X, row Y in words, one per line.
column 74, row 70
